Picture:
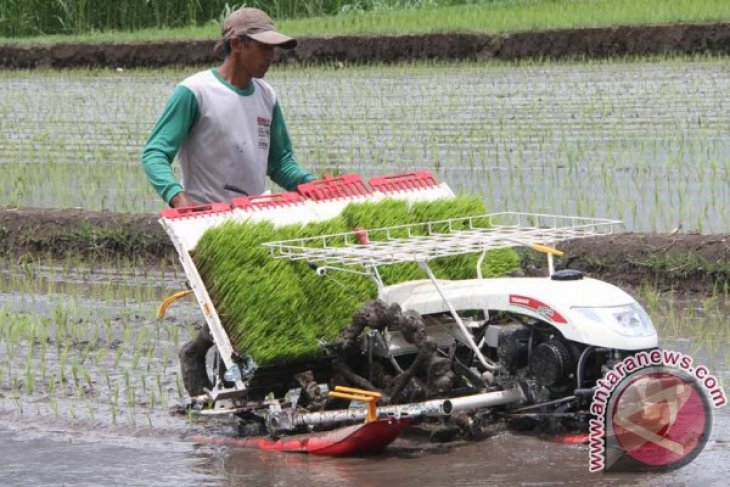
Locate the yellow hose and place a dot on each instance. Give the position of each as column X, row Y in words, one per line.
column 547, row 250
column 169, row 300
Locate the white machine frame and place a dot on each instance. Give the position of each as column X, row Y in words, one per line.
column 186, row 226
column 364, row 250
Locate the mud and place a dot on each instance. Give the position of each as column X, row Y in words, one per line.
column 564, row 43
column 91, row 235
column 681, row 262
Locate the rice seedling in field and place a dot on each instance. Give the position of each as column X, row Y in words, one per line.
column 643, row 141
column 54, row 363
column 301, row 308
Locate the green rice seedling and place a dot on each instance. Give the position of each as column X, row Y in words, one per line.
column 131, row 397
column 87, row 377
column 118, row 356
column 135, row 358
column 158, row 337
column 176, row 337
column 243, row 276
column 42, row 366
column 60, row 317
column 18, row 404
column 108, row 382
column 51, row 386
column 165, row 361
column 127, row 380
column 126, row 332
column 108, row 331
column 62, row 364
column 165, row 399
column 29, row 378
column 90, row 410
column 75, row 370
column 100, row 354
column 150, row 357
column 190, row 417
column 302, row 308
column 115, row 395
column 178, row 383
column 390, row 213
column 53, row 403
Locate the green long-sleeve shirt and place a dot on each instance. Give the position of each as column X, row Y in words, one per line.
column 224, row 136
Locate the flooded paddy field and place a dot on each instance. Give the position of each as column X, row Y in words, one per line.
column 90, row 388
column 644, row 141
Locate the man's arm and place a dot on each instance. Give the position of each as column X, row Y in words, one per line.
column 282, row 168
column 169, row 133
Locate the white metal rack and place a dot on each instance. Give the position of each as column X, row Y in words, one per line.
column 422, row 242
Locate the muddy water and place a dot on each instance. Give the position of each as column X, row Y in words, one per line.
column 76, row 433
column 40, row 455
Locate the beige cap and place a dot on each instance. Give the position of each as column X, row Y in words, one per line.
column 254, row 23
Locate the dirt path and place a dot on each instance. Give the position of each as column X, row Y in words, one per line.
column 685, row 262
column 582, row 43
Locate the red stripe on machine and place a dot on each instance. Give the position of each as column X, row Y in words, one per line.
column 538, row 306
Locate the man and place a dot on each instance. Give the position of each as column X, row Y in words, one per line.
column 228, row 130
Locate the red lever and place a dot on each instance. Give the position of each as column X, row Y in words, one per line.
column 266, row 200
column 348, row 185
column 403, row 181
column 194, row 210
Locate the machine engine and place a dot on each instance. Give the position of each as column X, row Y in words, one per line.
column 533, row 353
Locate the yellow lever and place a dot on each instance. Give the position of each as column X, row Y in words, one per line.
column 353, row 394
column 547, row 250
column 169, row 300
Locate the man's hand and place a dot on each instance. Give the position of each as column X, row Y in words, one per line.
column 181, row 199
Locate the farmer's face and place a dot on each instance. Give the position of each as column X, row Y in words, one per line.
column 255, row 57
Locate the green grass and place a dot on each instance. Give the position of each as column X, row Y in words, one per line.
column 277, row 310
column 678, row 267
column 494, row 16
column 515, row 16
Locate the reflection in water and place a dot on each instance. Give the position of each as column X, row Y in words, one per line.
column 507, row 458
column 83, row 458
column 89, row 459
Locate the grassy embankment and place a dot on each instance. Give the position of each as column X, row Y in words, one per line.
column 134, row 20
